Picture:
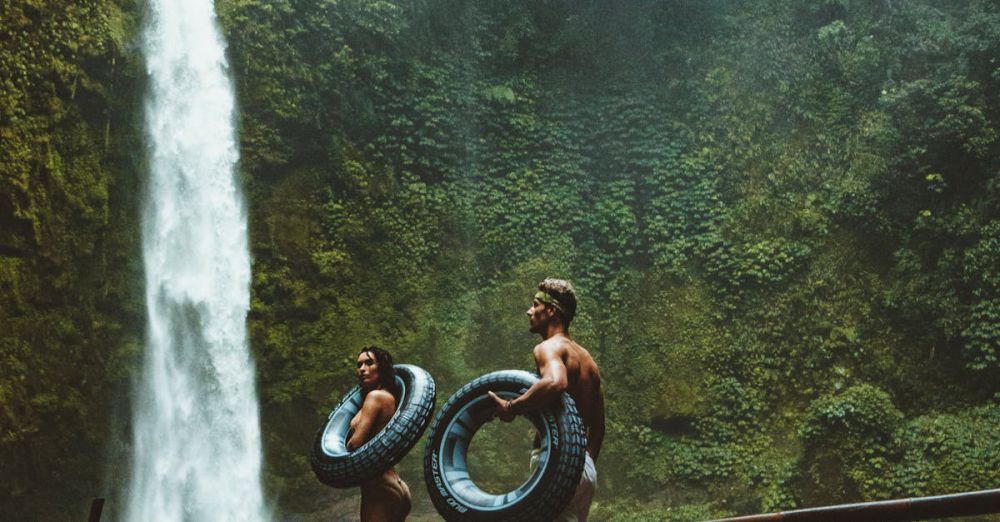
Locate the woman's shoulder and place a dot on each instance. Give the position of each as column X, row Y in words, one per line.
column 380, row 398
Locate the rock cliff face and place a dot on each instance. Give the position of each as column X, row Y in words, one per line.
column 70, row 293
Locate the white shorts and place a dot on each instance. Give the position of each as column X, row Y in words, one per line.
column 579, row 507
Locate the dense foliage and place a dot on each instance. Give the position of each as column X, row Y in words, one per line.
column 781, row 217
column 70, row 322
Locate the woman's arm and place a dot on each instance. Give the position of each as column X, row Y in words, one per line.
column 375, row 412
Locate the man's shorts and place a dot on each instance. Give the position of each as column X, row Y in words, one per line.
column 579, row 507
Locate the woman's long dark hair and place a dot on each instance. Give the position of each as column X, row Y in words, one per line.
column 386, row 372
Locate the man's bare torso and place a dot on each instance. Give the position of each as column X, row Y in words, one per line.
column 584, row 386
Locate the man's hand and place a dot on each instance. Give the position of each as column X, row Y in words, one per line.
column 504, row 411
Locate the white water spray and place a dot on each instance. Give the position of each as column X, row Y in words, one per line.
column 197, row 450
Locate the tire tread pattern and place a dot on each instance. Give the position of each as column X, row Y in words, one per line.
column 551, row 496
column 385, row 449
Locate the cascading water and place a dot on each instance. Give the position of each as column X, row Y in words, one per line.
column 197, row 450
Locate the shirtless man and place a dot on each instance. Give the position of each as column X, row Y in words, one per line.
column 563, row 366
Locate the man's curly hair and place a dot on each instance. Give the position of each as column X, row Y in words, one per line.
column 563, row 293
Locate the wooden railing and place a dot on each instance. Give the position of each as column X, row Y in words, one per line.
column 922, row 508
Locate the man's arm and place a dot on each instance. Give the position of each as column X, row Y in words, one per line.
column 375, row 405
column 551, row 383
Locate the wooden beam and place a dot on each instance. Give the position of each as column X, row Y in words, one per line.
column 921, row 508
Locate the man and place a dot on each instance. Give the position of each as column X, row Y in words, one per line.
column 563, row 366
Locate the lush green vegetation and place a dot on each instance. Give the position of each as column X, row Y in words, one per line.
column 70, row 297
column 781, row 216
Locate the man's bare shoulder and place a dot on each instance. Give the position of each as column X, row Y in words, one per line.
column 586, row 360
column 552, row 347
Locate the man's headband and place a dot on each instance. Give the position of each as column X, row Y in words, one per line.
column 544, row 297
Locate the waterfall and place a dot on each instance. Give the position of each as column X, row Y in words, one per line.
column 197, row 449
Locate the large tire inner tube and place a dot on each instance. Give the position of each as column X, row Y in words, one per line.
column 335, row 466
column 548, row 489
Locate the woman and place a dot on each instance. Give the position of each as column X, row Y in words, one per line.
column 385, row 498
